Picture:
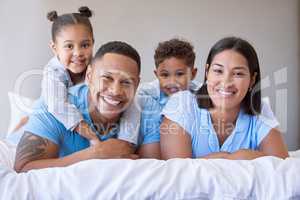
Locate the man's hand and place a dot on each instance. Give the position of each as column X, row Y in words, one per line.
column 112, row 148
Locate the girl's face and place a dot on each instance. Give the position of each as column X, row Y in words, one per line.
column 228, row 80
column 74, row 47
column 174, row 75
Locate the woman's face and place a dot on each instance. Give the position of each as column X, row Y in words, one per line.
column 228, row 80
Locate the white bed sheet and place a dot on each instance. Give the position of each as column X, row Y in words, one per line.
column 263, row 178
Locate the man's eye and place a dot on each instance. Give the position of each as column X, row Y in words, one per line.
column 107, row 78
column 180, row 73
column 127, row 83
column 164, row 75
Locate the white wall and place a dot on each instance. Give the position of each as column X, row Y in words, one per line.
column 272, row 26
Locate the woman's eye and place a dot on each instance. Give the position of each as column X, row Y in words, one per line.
column 239, row 74
column 218, row 71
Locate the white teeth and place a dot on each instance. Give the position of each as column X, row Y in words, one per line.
column 111, row 101
column 225, row 93
column 173, row 90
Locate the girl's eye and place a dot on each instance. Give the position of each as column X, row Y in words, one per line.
column 69, row 46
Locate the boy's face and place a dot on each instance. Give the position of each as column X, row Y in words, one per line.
column 174, row 75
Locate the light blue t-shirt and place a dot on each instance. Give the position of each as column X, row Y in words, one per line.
column 153, row 100
column 248, row 132
column 44, row 124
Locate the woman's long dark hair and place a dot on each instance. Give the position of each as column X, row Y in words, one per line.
column 252, row 101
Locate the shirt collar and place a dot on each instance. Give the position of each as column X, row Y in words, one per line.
column 241, row 125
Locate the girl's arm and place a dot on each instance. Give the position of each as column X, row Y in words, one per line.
column 175, row 142
column 55, row 96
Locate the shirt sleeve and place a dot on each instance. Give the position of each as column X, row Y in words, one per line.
column 55, row 95
column 130, row 124
column 150, row 120
column 181, row 109
column 43, row 124
column 267, row 115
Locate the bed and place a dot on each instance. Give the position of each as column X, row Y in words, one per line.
column 262, row 178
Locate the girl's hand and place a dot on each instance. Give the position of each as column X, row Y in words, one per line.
column 85, row 131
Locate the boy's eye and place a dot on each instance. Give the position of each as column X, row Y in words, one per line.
column 86, row 45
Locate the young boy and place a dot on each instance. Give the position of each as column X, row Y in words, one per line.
column 175, row 70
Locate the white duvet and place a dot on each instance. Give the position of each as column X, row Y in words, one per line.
column 264, row 178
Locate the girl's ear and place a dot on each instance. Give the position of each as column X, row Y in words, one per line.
column 53, row 47
column 253, row 79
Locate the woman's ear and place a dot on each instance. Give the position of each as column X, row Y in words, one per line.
column 206, row 70
column 253, row 80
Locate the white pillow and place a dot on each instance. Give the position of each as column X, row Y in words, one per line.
column 20, row 107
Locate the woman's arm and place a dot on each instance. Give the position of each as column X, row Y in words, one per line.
column 175, row 142
column 271, row 145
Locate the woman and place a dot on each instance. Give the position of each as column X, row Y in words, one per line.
column 222, row 119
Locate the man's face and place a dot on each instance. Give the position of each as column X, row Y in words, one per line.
column 113, row 81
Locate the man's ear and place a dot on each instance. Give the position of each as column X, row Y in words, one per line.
column 194, row 72
column 88, row 74
column 155, row 72
column 53, row 47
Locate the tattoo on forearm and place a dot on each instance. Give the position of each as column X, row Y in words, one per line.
column 31, row 147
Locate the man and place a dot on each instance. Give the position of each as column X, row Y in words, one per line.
column 112, row 81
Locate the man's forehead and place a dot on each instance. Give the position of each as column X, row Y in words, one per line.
column 108, row 70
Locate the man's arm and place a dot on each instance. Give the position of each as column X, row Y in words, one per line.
column 35, row 152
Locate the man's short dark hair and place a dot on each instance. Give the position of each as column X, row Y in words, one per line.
column 121, row 48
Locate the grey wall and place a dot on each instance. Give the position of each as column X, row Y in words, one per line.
column 272, row 26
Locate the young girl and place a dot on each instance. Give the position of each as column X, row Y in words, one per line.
column 72, row 44
column 223, row 119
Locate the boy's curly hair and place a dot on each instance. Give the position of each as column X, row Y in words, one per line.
column 175, row 48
